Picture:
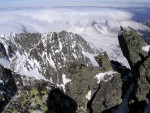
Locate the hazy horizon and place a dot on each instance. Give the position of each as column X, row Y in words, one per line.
column 52, row 3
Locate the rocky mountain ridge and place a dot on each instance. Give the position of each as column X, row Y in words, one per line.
column 38, row 64
column 31, row 54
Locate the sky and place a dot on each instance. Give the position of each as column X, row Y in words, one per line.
column 53, row 3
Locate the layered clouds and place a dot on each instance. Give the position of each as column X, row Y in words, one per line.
column 57, row 19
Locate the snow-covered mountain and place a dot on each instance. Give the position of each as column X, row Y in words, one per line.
column 45, row 56
column 32, row 53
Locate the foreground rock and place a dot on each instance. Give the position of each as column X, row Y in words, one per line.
column 25, row 94
column 131, row 44
column 132, row 47
column 90, row 91
column 108, row 95
column 8, row 87
column 104, row 62
column 59, row 102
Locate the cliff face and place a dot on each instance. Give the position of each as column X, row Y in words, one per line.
column 135, row 80
column 34, row 65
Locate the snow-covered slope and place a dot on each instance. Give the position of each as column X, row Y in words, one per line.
column 45, row 56
column 105, row 36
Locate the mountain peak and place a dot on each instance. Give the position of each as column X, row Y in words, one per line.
column 31, row 54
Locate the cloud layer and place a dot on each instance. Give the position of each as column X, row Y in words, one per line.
column 52, row 19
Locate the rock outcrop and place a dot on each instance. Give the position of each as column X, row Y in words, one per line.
column 7, row 87
column 132, row 47
column 134, row 44
column 131, row 44
column 108, row 95
column 21, row 93
column 104, row 62
column 31, row 99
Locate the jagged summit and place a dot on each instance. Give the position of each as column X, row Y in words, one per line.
column 39, row 55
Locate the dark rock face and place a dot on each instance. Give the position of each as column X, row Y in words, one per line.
column 108, row 95
column 2, row 51
column 137, row 58
column 131, row 44
column 146, row 69
column 135, row 85
column 59, row 102
column 7, row 87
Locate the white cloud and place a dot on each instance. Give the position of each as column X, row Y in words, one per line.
column 47, row 20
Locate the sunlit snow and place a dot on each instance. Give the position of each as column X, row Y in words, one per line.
column 100, row 76
column 65, row 81
column 91, row 57
column 146, row 48
column 1, row 82
column 4, row 62
column 89, row 94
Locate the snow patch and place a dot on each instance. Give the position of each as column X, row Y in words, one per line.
column 1, row 82
column 91, row 57
column 4, row 62
column 100, row 76
column 36, row 111
column 65, row 79
column 60, row 46
column 25, row 66
column 146, row 48
column 89, row 95
column 51, row 61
